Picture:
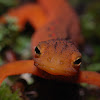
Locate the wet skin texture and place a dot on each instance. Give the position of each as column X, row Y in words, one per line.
column 54, row 44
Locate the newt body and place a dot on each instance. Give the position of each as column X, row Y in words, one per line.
column 55, row 57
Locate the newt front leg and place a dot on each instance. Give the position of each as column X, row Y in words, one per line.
column 61, row 59
column 57, row 57
column 16, row 68
column 61, row 66
column 89, row 77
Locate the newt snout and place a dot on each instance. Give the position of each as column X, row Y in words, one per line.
column 57, row 57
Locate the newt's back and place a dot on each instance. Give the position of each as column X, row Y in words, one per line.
column 62, row 22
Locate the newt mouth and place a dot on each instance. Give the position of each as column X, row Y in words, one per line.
column 53, row 71
column 63, row 78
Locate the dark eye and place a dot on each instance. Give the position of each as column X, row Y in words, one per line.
column 78, row 61
column 37, row 50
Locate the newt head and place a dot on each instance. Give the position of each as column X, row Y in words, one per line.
column 57, row 57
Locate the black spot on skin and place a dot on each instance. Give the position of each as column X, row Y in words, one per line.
column 48, row 28
column 64, row 47
column 52, row 23
column 55, row 45
column 49, row 35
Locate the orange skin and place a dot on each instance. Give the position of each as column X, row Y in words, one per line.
column 54, row 57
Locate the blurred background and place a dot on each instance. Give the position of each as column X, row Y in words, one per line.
column 16, row 46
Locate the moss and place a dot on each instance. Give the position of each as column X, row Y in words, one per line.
column 6, row 93
column 8, row 32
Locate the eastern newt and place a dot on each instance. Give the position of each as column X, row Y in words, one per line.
column 55, row 56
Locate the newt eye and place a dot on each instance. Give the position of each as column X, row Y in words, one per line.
column 78, row 61
column 37, row 51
